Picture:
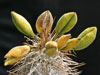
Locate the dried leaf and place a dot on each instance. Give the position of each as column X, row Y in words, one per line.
column 44, row 22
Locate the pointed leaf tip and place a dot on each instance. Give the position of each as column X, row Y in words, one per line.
column 22, row 24
column 65, row 23
column 87, row 38
column 62, row 41
column 10, row 61
column 18, row 51
column 44, row 22
column 71, row 44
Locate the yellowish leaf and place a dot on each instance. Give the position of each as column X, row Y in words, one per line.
column 10, row 61
column 51, row 48
column 62, row 41
column 18, row 51
column 71, row 44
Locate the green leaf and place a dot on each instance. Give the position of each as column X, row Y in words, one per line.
column 87, row 37
column 65, row 23
column 22, row 24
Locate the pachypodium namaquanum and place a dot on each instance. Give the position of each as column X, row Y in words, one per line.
column 47, row 53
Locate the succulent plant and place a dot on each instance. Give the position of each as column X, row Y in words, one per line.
column 47, row 54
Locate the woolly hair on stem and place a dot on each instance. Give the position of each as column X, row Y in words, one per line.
column 48, row 53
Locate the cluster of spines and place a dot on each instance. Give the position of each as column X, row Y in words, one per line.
column 47, row 49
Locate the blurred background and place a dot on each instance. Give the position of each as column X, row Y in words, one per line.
column 88, row 12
